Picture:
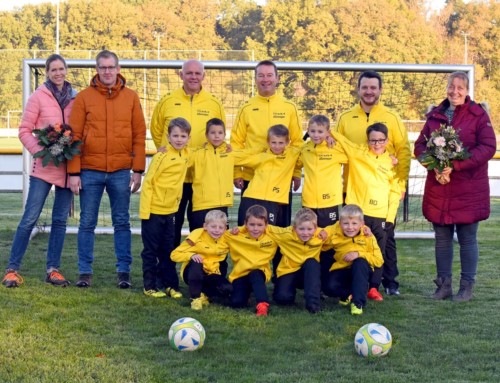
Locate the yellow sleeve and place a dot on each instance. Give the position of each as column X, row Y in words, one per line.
column 185, row 250
column 157, row 126
column 148, row 185
column 238, row 137
column 402, row 152
column 394, row 199
column 372, row 252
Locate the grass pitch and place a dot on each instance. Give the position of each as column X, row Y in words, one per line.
column 104, row 334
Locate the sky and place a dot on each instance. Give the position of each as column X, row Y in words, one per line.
column 8, row 5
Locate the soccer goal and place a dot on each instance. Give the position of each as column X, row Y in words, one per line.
column 326, row 88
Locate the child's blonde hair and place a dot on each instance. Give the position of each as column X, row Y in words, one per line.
column 305, row 215
column 256, row 211
column 321, row 120
column 216, row 215
column 351, row 211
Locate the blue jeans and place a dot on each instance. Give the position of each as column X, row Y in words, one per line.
column 469, row 251
column 117, row 186
column 38, row 191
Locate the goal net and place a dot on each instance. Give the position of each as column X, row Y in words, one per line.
column 316, row 88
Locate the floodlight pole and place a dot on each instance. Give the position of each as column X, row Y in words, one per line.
column 57, row 27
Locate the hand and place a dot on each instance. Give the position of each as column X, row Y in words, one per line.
column 229, row 148
column 403, row 193
column 367, row 231
column 235, row 230
column 394, row 159
column 238, row 183
column 351, row 256
column 388, row 226
column 323, row 235
column 197, row 258
column 75, row 184
column 135, row 182
column 330, row 141
column 162, row 149
column 296, row 183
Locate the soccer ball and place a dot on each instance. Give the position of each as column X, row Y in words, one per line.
column 373, row 339
column 186, row 334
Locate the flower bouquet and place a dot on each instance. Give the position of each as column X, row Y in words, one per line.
column 443, row 146
column 57, row 144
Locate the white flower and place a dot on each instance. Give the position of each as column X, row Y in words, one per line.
column 440, row 141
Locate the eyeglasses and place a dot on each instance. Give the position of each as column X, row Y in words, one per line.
column 375, row 142
column 106, row 68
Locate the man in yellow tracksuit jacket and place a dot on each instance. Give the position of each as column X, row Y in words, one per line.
column 197, row 106
column 352, row 124
column 257, row 115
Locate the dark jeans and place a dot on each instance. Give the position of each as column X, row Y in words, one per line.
column 353, row 280
column 308, row 278
column 254, row 282
column 213, row 285
column 158, row 270
column 469, row 251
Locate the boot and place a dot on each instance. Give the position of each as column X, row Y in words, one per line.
column 443, row 290
column 464, row 292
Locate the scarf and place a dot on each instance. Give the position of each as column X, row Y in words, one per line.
column 63, row 96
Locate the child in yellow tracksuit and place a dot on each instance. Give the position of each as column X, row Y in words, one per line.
column 356, row 256
column 374, row 186
column 161, row 193
column 322, row 187
column 201, row 253
column 274, row 169
column 251, row 251
column 299, row 266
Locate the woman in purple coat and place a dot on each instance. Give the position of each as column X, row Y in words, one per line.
column 460, row 204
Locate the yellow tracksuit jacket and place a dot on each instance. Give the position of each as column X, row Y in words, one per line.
column 322, row 165
column 372, row 182
column 213, row 251
column 273, row 174
column 254, row 119
column 161, row 189
column 248, row 253
column 294, row 251
column 366, row 247
column 353, row 123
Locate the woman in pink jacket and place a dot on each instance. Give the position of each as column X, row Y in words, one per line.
column 49, row 104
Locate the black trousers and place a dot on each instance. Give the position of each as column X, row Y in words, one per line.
column 377, row 226
column 200, row 282
column 390, row 268
column 307, row 278
column 254, row 282
column 185, row 204
column 353, row 280
column 158, row 270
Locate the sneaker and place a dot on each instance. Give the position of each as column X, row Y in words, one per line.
column 124, row 281
column 56, row 279
column 346, row 301
column 313, row 309
column 374, row 295
column 154, row 293
column 12, row 279
column 262, row 309
column 204, row 300
column 197, row 304
column 84, row 280
column 390, row 291
column 171, row 292
column 355, row 310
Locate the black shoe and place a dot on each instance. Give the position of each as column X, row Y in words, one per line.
column 124, row 281
column 391, row 291
column 313, row 309
column 84, row 280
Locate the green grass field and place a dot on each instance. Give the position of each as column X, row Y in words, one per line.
column 104, row 334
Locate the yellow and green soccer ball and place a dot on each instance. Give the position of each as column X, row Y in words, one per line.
column 373, row 339
column 186, row 334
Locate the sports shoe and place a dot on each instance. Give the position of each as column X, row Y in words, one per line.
column 390, row 291
column 124, row 281
column 84, row 280
column 197, row 304
column 355, row 310
column 346, row 301
column 374, row 295
column 154, row 293
column 204, row 300
column 171, row 292
column 12, row 279
column 56, row 278
column 262, row 309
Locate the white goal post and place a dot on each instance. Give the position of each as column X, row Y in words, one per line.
column 316, row 87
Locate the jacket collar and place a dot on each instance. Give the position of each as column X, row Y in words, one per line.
column 103, row 89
